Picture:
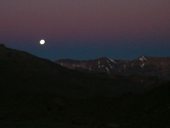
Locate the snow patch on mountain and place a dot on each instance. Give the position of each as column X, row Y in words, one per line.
column 112, row 60
column 107, row 69
column 142, row 65
column 143, row 58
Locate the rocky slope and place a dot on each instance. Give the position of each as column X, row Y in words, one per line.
column 144, row 65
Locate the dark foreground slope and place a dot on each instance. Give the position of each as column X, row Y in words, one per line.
column 37, row 93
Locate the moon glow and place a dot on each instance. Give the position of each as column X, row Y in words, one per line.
column 42, row 42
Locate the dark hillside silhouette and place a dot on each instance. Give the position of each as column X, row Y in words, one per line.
column 36, row 92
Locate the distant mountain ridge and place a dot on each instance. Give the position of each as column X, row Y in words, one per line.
column 143, row 65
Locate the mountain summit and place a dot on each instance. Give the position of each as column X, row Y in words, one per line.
column 143, row 65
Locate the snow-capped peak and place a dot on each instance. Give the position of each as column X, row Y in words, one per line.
column 142, row 58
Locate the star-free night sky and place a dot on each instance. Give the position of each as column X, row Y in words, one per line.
column 85, row 29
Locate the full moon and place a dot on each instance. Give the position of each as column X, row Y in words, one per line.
column 42, row 42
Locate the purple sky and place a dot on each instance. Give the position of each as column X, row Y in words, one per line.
column 87, row 28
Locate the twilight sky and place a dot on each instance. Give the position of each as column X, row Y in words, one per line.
column 85, row 29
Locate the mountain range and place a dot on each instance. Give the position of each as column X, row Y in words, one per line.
column 143, row 65
column 37, row 92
